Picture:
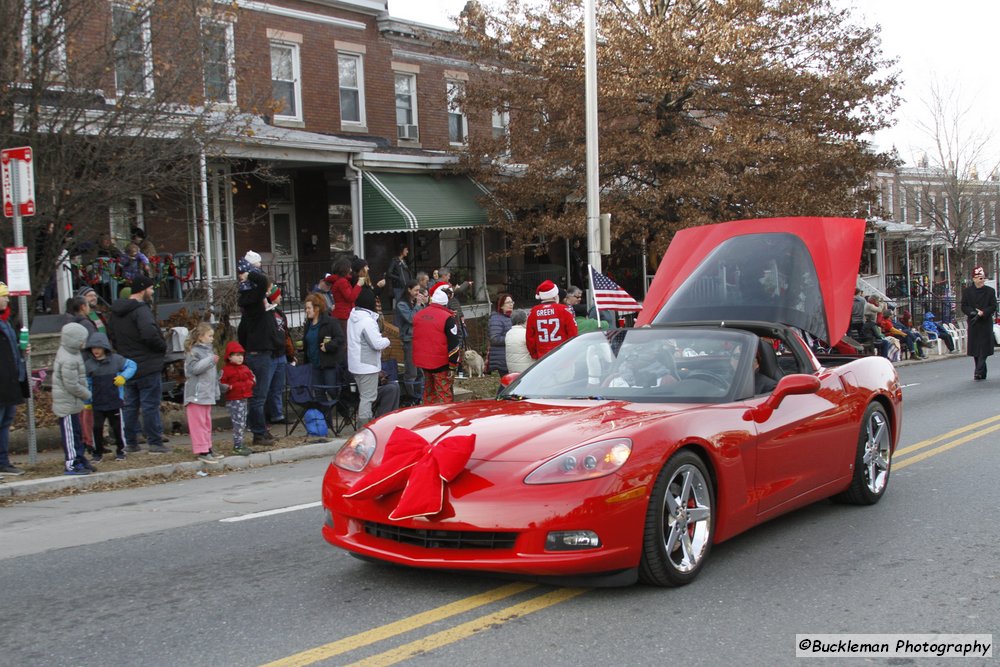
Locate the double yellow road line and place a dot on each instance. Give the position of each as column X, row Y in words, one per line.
column 972, row 431
column 902, row 458
column 437, row 639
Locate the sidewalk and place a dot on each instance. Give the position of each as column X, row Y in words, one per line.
column 45, row 475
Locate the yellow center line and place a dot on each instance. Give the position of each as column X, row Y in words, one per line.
column 399, row 627
column 468, row 629
column 944, row 436
column 943, row 448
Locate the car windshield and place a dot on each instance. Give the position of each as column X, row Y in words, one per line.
column 646, row 364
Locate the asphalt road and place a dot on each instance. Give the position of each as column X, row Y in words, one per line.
column 153, row 576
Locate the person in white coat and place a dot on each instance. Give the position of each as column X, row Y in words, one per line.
column 516, row 345
column 364, row 351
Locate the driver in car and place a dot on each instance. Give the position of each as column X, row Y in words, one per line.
column 762, row 384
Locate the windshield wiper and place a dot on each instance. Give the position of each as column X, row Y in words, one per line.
column 511, row 397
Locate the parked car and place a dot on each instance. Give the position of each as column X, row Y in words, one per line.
column 625, row 455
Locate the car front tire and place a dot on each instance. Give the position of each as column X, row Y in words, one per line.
column 680, row 522
column 872, row 460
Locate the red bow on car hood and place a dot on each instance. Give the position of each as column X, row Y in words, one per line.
column 418, row 467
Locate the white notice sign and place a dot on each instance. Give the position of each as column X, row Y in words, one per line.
column 18, row 273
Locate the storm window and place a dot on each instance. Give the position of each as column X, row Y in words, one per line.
column 285, row 79
column 217, row 61
column 133, row 58
column 352, row 95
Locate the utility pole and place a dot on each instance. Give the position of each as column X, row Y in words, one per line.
column 593, row 183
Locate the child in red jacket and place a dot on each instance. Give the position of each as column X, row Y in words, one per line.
column 237, row 382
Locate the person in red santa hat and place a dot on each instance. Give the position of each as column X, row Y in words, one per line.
column 549, row 323
column 437, row 346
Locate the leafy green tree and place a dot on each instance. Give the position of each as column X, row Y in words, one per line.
column 709, row 110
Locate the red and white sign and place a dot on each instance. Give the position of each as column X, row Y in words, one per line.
column 15, row 163
column 18, row 273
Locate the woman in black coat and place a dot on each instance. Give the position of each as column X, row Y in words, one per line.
column 979, row 303
column 323, row 343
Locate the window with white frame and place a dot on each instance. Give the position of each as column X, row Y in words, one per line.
column 131, row 45
column 902, row 204
column 501, row 129
column 218, row 60
column 406, row 105
column 352, row 92
column 932, row 209
column 285, row 78
column 919, row 201
column 43, row 41
column 458, row 130
column 947, row 214
column 124, row 215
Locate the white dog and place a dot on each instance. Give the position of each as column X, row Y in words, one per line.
column 473, row 363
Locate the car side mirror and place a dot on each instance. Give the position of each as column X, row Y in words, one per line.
column 507, row 379
column 790, row 385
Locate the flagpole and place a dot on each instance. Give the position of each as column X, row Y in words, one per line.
column 593, row 294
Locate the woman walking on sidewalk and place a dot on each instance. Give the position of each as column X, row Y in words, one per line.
column 201, row 390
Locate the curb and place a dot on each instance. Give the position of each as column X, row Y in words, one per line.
column 260, row 459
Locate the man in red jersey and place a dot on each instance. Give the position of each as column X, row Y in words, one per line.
column 549, row 323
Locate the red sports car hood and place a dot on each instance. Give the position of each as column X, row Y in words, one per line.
column 524, row 430
column 796, row 271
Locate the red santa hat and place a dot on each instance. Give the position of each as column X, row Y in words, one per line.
column 547, row 290
column 440, row 293
column 273, row 293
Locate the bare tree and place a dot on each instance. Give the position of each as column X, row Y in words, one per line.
column 117, row 100
column 952, row 200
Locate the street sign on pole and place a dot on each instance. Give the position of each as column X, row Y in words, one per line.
column 16, row 164
column 14, row 179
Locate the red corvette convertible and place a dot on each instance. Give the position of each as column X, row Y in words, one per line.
column 627, row 454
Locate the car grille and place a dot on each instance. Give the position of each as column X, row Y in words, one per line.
column 442, row 539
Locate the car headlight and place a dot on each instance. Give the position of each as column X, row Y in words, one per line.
column 586, row 462
column 355, row 454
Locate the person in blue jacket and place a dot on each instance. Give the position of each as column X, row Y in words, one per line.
column 107, row 373
column 934, row 331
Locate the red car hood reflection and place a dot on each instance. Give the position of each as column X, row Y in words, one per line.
column 527, row 431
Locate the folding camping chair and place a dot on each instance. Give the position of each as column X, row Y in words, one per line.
column 346, row 412
column 302, row 395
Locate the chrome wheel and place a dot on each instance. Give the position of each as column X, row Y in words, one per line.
column 877, row 453
column 679, row 528
column 687, row 518
column 872, row 459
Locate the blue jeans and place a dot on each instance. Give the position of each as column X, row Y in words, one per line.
column 143, row 395
column 7, row 413
column 274, row 407
column 262, row 365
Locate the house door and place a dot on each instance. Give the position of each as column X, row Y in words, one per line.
column 284, row 249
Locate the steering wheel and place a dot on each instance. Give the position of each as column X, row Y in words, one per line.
column 710, row 378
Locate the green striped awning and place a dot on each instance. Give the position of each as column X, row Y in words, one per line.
column 393, row 202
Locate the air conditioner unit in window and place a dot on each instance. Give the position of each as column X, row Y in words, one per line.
column 407, row 132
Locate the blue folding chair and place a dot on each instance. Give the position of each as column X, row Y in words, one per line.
column 302, row 395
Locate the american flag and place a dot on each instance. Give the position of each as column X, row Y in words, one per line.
column 608, row 295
